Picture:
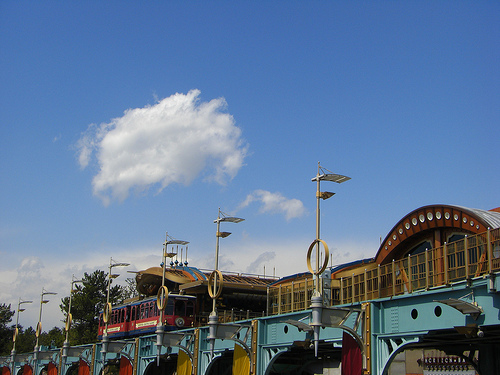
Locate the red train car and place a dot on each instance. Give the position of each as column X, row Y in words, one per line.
column 142, row 316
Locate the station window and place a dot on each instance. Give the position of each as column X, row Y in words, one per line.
column 420, row 248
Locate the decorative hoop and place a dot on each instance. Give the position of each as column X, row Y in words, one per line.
column 38, row 329
column 162, row 298
column 68, row 322
column 106, row 316
column 211, row 280
column 325, row 262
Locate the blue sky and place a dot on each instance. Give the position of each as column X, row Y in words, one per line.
column 121, row 121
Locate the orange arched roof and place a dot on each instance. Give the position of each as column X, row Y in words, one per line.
column 467, row 220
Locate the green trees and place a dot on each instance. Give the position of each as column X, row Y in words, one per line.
column 88, row 300
column 26, row 338
column 5, row 332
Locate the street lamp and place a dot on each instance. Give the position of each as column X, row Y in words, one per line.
column 219, row 234
column 39, row 325
column 317, row 299
column 16, row 331
column 69, row 319
column 213, row 290
column 108, row 308
column 162, row 297
column 322, row 175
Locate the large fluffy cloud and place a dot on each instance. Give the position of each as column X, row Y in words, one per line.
column 173, row 141
column 275, row 203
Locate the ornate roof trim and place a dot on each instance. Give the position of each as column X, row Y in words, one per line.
column 470, row 220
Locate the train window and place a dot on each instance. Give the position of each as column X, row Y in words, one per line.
column 152, row 310
column 169, row 310
column 189, row 308
column 180, row 308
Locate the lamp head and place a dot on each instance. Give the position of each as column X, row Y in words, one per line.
column 175, row 242
column 338, row 178
column 223, row 234
column 229, row 219
column 120, row 265
column 324, row 194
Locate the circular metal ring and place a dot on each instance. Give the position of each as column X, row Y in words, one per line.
column 69, row 319
column 325, row 262
column 162, row 298
column 106, row 316
column 211, row 281
column 38, row 329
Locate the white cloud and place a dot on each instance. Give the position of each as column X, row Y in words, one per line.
column 275, row 203
column 173, row 141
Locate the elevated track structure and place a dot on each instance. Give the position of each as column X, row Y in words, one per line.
column 427, row 303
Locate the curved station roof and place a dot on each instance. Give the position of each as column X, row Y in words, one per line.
column 434, row 225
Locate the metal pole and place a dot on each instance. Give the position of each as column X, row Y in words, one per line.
column 318, row 193
column 214, row 312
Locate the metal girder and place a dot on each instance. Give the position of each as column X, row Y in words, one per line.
column 333, row 317
column 44, row 356
column 230, row 331
column 174, row 339
column 116, row 346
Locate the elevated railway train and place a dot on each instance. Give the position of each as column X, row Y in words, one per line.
column 429, row 247
column 428, row 300
column 188, row 305
column 142, row 316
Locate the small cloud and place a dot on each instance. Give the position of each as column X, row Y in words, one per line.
column 173, row 141
column 275, row 203
column 255, row 266
column 56, row 138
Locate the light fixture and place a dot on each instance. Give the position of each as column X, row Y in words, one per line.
column 325, row 195
column 38, row 331
column 213, row 319
column 16, row 332
column 323, row 174
column 162, row 296
column 69, row 318
column 108, row 308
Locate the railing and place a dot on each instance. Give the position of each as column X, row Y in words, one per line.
column 228, row 316
column 466, row 259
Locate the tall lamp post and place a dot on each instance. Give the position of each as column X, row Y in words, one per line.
column 322, row 176
column 69, row 318
column 215, row 290
column 317, row 298
column 162, row 297
column 108, row 308
column 39, row 326
column 16, row 332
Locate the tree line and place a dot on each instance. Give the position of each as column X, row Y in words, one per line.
column 88, row 299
